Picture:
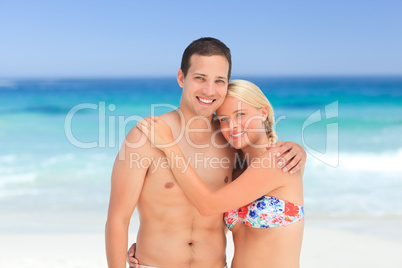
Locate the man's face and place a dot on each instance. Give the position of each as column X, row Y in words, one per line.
column 205, row 85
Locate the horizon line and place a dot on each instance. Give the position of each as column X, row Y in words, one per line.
column 111, row 77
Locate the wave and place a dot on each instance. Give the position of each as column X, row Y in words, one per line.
column 17, row 179
column 361, row 184
column 57, row 159
column 387, row 161
column 8, row 158
column 19, row 192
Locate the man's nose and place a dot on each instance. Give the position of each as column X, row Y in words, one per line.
column 209, row 88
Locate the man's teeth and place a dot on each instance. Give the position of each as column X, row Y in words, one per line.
column 238, row 134
column 205, row 101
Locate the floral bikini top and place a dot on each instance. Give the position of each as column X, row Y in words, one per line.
column 265, row 212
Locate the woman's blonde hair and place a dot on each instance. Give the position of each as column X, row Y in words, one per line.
column 252, row 94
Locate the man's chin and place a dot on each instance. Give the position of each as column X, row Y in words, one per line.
column 205, row 112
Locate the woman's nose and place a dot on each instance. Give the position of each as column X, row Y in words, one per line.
column 234, row 124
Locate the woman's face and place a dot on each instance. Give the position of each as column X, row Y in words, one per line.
column 242, row 124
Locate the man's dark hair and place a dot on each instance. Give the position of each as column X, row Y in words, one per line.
column 205, row 46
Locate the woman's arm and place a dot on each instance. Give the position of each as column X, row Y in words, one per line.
column 260, row 177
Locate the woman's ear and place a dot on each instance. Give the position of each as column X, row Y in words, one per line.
column 180, row 78
column 264, row 113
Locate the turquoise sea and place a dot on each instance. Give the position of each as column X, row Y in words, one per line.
column 351, row 127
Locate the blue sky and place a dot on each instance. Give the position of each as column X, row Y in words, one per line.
column 48, row 38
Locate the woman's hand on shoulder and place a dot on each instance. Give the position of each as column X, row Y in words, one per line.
column 157, row 130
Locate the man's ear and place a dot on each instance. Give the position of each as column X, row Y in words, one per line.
column 264, row 112
column 180, row 78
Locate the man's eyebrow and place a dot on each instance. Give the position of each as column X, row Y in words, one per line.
column 204, row 75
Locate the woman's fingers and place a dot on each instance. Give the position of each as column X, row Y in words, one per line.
column 143, row 129
column 155, row 130
column 147, row 123
column 154, row 118
column 144, row 126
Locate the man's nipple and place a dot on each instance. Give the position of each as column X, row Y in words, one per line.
column 169, row 185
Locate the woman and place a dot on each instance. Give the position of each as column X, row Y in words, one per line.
column 268, row 231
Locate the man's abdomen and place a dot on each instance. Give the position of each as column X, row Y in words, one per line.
column 181, row 245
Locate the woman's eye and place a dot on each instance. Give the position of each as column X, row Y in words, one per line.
column 240, row 114
column 223, row 119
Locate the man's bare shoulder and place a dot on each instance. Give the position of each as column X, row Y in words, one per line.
column 137, row 142
column 171, row 114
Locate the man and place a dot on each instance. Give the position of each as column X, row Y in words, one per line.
column 172, row 233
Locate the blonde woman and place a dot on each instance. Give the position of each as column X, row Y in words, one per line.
column 264, row 206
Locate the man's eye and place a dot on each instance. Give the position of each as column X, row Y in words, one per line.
column 240, row 114
column 199, row 77
column 220, row 81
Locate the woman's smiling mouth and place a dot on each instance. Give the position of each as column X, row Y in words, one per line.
column 237, row 134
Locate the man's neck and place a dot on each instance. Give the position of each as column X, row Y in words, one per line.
column 196, row 127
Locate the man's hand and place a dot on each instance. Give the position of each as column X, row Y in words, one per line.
column 289, row 153
column 132, row 262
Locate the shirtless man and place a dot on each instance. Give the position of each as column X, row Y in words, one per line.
column 172, row 233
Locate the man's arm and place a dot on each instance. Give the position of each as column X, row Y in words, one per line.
column 126, row 185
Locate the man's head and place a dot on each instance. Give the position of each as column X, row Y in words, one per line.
column 205, row 46
column 204, row 76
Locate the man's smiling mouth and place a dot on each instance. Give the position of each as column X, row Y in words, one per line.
column 205, row 101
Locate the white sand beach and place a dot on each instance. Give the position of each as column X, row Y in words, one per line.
column 364, row 242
